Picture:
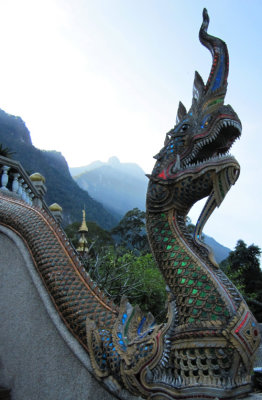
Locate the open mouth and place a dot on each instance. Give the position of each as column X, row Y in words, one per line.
column 216, row 145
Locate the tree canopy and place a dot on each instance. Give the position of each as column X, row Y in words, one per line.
column 243, row 268
column 131, row 231
column 122, row 264
column 5, row 151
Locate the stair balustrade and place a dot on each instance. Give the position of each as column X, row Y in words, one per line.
column 14, row 181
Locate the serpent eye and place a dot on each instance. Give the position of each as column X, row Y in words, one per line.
column 184, row 127
column 206, row 121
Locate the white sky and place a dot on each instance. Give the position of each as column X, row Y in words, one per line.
column 97, row 78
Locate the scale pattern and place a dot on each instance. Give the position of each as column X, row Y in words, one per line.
column 72, row 291
column 196, row 295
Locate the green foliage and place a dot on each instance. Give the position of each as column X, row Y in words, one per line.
column 136, row 277
column 124, row 267
column 5, row 151
column 243, row 268
column 96, row 236
column 131, row 231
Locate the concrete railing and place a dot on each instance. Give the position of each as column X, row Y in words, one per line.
column 15, row 181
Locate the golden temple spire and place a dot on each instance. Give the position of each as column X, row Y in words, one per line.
column 83, row 227
column 82, row 243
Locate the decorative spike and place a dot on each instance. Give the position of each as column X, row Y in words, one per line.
column 198, row 87
column 181, row 112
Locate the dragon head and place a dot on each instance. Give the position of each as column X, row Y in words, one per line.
column 196, row 150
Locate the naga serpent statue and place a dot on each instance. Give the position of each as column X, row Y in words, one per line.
column 205, row 350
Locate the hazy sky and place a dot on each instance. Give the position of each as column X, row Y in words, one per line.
column 97, row 78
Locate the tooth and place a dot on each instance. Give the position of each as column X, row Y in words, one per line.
column 177, row 165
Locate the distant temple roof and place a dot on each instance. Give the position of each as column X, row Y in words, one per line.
column 83, row 227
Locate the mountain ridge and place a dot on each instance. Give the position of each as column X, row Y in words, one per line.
column 61, row 188
column 15, row 135
column 105, row 181
column 132, row 169
column 120, row 187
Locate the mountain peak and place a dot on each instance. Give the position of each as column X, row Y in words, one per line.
column 15, row 128
column 114, row 161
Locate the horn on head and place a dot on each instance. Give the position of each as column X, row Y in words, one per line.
column 181, row 112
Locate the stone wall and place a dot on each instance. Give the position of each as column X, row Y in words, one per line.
column 39, row 358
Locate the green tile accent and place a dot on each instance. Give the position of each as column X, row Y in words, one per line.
column 191, row 319
column 218, row 309
column 176, row 247
column 207, row 287
column 214, row 317
column 183, row 264
column 165, row 239
column 195, row 311
column 179, row 271
column 190, row 301
column 183, row 280
column 168, row 247
column 175, row 263
column 203, row 294
column 190, row 282
column 199, row 302
column 194, row 291
column 172, row 255
column 163, row 231
column 208, row 305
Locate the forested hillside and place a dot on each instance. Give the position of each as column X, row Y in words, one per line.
column 61, row 188
column 120, row 187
